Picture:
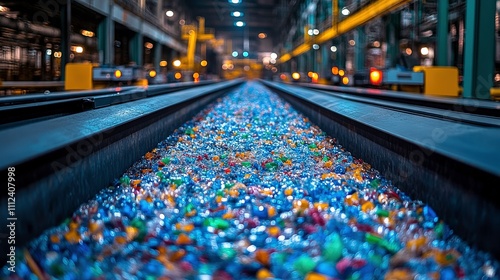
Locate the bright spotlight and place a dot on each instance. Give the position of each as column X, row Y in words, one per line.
column 169, row 13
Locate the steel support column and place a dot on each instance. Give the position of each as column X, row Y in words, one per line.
column 65, row 36
column 137, row 49
column 359, row 49
column 479, row 49
column 106, row 38
column 157, row 57
column 442, row 34
column 393, row 27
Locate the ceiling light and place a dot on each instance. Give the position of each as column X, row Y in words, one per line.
column 245, row 54
column 345, row 11
column 262, row 35
column 235, row 54
column 169, row 13
column 235, row 1
column 237, row 14
column 239, row 23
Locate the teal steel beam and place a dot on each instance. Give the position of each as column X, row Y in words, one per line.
column 65, row 36
column 360, row 49
column 442, row 33
column 393, row 27
column 157, row 57
column 106, row 37
column 479, row 49
column 137, row 49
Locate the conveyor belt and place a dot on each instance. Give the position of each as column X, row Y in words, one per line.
column 16, row 110
column 471, row 106
column 450, row 162
column 56, row 160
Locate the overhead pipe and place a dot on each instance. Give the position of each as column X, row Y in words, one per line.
column 362, row 16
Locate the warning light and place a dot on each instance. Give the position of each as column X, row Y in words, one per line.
column 295, row 76
column 314, row 77
column 118, row 74
column 345, row 80
column 335, row 70
column 152, row 73
column 341, row 72
column 375, row 77
column 283, row 77
column 178, row 76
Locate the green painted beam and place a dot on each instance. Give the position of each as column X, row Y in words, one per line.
column 479, row 49
column 106, row 37
column 442, row 33
column 360, row 49
column 137, row 49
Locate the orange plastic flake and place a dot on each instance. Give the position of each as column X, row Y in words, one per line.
column 215, row 158
column 191, row 213
column 262, row 256
column 132, row 232
column 93, row 227
column 416, row 244
column 266, row 191
column 183, row 239
column 120, row 239
column 228, row 215
column 274, row 231
column 135, row 183
column 264, row 274
column 177, row 255
column 398, row 274
column 367, row 206
column 352, row 199
column 234, row 193
column 54, row 238
column 301, row 204
column 148, row 155
column 315, row 276
column 288, row 191
column 271, row 211
column 328, row 164
column 321, row 205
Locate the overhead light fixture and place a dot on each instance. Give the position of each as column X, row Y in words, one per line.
column 237, row 14
column 345, row 11
column 245, row 54
column 235, row 54
column 239, row 23
column 235, row 1
column 262, row 35
column 169, row 13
